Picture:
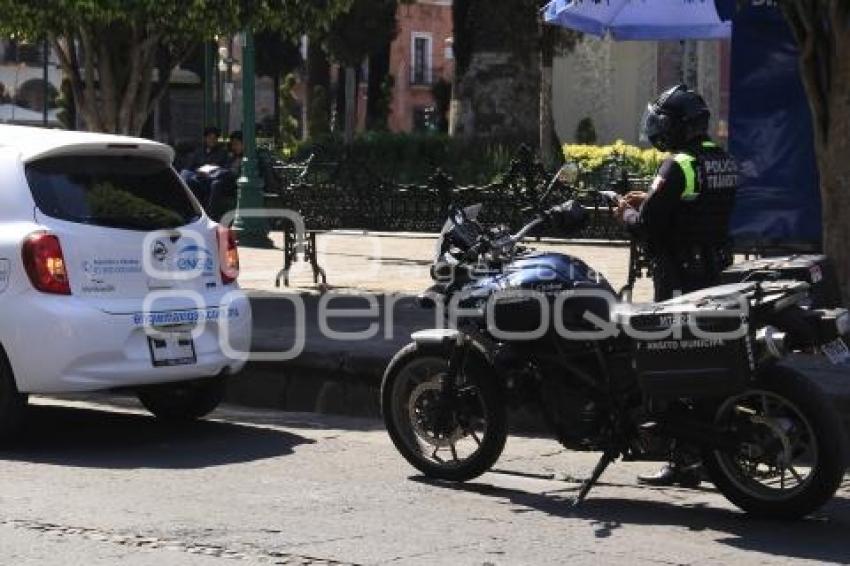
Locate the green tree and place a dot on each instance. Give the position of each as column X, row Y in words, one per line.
column 109, row 49
column 287, row 125
column 363, row 30
column 316, row 111
column 822, row 31
column 277, row 56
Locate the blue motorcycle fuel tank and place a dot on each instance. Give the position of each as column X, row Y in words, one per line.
column 543, row 271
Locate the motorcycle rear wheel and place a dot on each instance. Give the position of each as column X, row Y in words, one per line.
column 410, row 385
column 793, row 462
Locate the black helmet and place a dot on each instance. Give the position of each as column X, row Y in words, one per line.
column 675, row 118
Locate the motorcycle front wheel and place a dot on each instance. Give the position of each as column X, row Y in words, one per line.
column 790, row 460
column 453, row 434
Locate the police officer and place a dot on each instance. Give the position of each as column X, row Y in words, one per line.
column 684, row 218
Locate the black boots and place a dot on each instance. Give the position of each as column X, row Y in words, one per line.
column 673, row 474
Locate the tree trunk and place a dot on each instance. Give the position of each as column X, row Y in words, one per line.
column 822, row 31
column 339, row 101
column 547, row 154
column 499, row 71
column 277, row 113
column 376, row 106
column 834, row 168
column 166, row 130
column 318, row 77
column 350, row 103
column 546, row 120
column 108, row 100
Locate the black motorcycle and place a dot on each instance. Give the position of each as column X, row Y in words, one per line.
column 700, row 371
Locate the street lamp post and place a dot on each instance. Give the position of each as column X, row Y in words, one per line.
column 251, row 230
column 229, row 68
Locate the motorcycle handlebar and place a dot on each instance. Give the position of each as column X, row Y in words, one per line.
column 569, row 210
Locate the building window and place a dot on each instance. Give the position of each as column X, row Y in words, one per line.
column 421, row 57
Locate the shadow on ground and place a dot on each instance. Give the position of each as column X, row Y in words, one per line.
column 822, row 537
column 66, row 436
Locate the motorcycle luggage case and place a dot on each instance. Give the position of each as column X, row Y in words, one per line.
column 816, row 270
column 679, row 363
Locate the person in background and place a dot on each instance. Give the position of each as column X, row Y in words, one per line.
column 203, row 161
column 683, row 219
column 223, row 187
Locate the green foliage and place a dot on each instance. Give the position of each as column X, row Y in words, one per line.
column 586, row 131
column 176, row 19
column 276, row 54
column 288, row 127
column 382, row 105
column 109, row 201
column 363, row 29
column 413, row 158
column 507, row 26
column 592, row 158
column 121, row 42
column 318, row 117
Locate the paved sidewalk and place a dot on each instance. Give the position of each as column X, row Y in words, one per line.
column 393, row 263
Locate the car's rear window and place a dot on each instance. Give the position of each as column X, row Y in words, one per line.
column 135, row 193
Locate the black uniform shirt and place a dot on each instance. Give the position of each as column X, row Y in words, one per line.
column 654, row 220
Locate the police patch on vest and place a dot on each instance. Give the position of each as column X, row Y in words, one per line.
column 720, row 174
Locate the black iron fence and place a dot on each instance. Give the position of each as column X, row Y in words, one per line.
column 347, row 195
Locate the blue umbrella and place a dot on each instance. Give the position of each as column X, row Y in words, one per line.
column 640, row 19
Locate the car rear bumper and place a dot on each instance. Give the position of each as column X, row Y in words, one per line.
column 61, row 344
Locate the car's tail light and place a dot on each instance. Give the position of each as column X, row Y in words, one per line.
column 228, row 255
column 45, row 264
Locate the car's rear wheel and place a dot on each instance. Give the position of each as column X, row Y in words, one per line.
column 13, row 403
column 183, row 401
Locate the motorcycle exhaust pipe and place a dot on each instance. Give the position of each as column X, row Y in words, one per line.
column 772, row 343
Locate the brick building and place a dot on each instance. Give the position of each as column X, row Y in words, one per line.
column 420, row 55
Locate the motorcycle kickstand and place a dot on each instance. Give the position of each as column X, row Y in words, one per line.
column 608, row 457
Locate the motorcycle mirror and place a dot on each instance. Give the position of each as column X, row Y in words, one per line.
column 457, row 215
column 568, row 173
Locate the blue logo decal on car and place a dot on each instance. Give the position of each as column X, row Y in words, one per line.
column 195, row 258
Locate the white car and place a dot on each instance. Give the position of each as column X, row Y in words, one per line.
column 111, row 277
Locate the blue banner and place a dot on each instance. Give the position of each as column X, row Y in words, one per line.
column 770, row 131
